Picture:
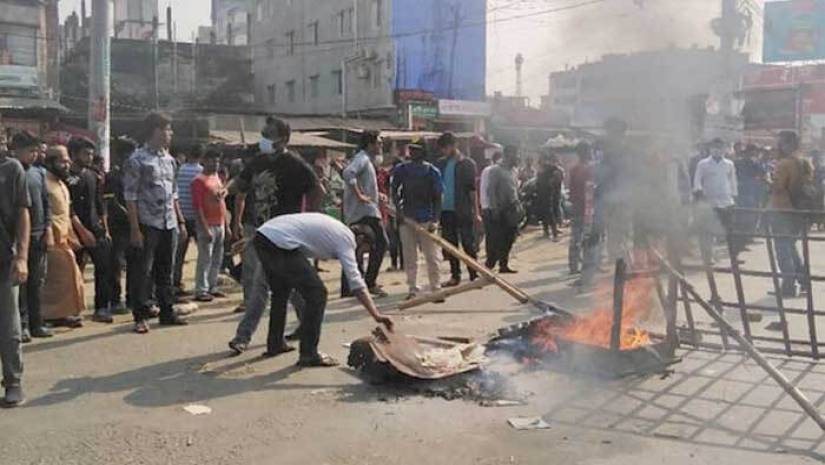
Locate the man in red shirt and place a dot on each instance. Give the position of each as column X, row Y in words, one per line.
column 208, row 199
column 581, row 185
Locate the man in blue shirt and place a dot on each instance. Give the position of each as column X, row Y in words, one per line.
column 459, row 215
column 154, row 219
column 416, row 192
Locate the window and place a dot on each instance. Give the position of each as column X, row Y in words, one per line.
column 338, row 81
column 270, row 48
column 290, row 91
column 378, row 74
column 290, row 39
column 270, row 93
column 378, row 13
column 18, row 45
column 314, row 90
column 313, row 32
column 351, row 21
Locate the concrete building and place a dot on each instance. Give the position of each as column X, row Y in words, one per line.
column 671, row 90
column 231, row 21
column 356, row 56
column 133, row 18
column 29, row 39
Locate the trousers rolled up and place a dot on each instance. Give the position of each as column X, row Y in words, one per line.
column 210, row 258
column 412, row 243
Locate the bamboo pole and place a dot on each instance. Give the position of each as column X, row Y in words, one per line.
column 444, row 293
column 618, row 305
column 517, row 293
column 777, row 375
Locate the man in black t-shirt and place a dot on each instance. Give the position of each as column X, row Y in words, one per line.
column 118, row 220
column 273, row 183
column 87, row 203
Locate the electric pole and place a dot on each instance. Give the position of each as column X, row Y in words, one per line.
column 519, row 64
column 100, row 72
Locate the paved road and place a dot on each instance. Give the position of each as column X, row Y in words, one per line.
column 101, row 395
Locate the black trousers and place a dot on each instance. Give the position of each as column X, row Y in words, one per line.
column 29, row 299
column 396, row 252
column 101, row 260
column 155, row 262
column 121, row 255
column 501, row 237
column 180, row 254
column 288, row 270
column 379, row 248
column 459, row 230
column 487, row 218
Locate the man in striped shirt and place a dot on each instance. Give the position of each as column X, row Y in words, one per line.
column 186, row 174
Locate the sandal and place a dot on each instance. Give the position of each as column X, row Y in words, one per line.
column 141, row 327
column 321, row 361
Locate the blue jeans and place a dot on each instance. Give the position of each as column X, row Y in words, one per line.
column 210, row 258
column 787, row 256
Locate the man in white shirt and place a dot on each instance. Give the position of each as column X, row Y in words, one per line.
column 715, row 184
column 285, row 244
column 484, row 200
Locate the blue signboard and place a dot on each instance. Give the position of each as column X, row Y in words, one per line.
column 794, row 31
column 441, row 47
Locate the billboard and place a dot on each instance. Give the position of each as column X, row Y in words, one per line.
column 441, row 47
column 794, row 31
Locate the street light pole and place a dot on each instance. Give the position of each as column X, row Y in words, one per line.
column 100, row 71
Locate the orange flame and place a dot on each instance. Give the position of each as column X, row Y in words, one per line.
column 595, row 328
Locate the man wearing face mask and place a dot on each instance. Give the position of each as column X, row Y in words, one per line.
column 715, row 184
column 63, row 295
column 276, row 182
column 361, row 202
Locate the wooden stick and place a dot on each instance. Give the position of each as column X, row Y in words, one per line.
column 777, row 375
column 618, row 305
column 444, row 293
column 470, row 262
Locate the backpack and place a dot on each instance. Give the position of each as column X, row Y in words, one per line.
column 804, row 194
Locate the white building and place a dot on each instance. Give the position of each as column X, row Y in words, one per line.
column 133, row 18
column 231, row 21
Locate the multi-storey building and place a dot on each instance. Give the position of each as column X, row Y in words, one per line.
column 133, row 18
column 230, row 20
column 347, row 56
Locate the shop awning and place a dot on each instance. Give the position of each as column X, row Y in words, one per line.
column 29, row 103
column 297, row 139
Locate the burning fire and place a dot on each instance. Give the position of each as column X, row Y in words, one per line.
column 595, row 328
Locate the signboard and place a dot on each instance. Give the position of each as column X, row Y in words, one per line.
column 794, row 31
column 463, row 108
column 423, row 111
column 19, row 77
column 413, row 95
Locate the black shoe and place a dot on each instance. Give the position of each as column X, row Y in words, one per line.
column 203, row 298
column 240, row 309
column 238, row 347
column 507, row 270
column 453, row 282
column 377, row 292
column 120, row 309
column 41, row 332
column 172, row 321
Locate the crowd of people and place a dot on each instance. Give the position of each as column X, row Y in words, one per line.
column 283, row 213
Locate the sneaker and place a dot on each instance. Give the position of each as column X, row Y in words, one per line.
column 41, row 332
column 377, row 292
column 217, row 294
column 204, row 298
column 14, row 397
column 453, row 282
column 103, row 316
column 507, row 270
column 120, row 309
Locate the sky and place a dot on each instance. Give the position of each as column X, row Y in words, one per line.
column 579, row 31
